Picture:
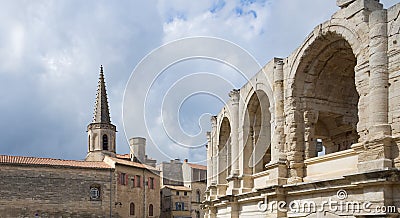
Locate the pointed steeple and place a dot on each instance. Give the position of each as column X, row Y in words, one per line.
column 101, row 132
column 101, row 111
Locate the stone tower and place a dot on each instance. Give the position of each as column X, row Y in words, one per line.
column 138, row 149
column 101, row 132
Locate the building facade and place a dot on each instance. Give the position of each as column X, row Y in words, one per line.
column 105, row 184
column 182, row 189
column 320, row 125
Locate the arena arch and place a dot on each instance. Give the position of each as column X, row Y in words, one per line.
column 256, row 133
column 326, row 94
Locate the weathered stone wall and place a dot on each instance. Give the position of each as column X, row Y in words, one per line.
column 340, row 88
column 54, row 191
column 195, row 204
column 141, row 196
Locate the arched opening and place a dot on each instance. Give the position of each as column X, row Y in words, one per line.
column 197, row 214
column 223, row 148
column 257, row 129
column 132, row 209
column 326, row 88
column 151, row 210
column 105, row 142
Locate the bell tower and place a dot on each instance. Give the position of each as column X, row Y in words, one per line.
column 101, row 132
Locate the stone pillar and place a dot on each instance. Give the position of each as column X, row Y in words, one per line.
column 310, row 119
column 209, row 159
column 378, row 81
column 278, row 139
column 233, row 182
column 234, row 110
column 375, row 153
column 214, row 149
column 295, row 145
column 235, row 208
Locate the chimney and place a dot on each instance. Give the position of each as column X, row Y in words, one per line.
column 137, row 149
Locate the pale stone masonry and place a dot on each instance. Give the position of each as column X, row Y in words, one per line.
column 323, row 119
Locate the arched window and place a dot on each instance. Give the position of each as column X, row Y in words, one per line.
column 198, row 196
column 105, row 142
column 132, row 209
column 197, row 214
column 150, row 210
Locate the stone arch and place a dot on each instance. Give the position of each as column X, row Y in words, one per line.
column 256, row 132
column 349, row 34
column 325, row 92
column 224, row 142
column 105, row 142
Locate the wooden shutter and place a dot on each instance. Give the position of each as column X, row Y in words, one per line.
column 118, row 178
column 126, row 179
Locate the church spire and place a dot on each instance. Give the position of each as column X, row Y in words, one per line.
column 101, row 132
column 101, row 111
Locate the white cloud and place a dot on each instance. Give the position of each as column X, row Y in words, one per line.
column 50, row 52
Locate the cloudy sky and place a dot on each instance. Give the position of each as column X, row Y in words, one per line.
column 50, row 53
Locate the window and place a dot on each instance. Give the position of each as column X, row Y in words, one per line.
column 198, row 196
column 138, row 181
column 150, row 210
column 197, row 214
column 185, row 193
column 151, row 183
column 133, row 182
column 132, row 209
column 94, row 192
column 123, row 179
column 177, row 193
column 105, row 142
column 179, row 206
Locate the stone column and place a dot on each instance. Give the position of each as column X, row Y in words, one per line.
column 378, row 81
column 234, row 110
column 214, row 149
column 310, row 119
column 295, row 145
column 278, row 139
column 233, row 181
column 209, row 159
column 374, row 154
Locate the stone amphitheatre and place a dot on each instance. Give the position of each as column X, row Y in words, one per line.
column 320, row 126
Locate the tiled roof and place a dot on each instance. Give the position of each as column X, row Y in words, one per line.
column 132, row 163
column 197, row 166
column 123, row 156
column 5, row 159
column 177, row 187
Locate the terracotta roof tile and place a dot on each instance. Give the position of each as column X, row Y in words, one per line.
column 6, row 159
column 132, row 163
column 123, row 156
column 177, row 187
column 197, row 166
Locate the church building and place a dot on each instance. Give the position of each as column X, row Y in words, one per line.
column 105, row 184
